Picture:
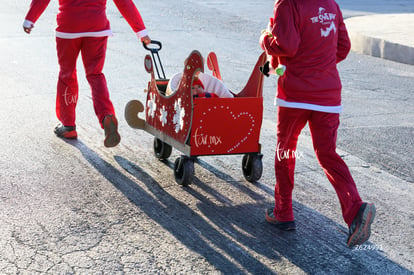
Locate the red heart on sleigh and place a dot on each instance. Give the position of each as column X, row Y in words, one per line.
column 222, row 129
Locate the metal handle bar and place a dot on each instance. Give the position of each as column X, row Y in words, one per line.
column 154, row 52
column 153, row 49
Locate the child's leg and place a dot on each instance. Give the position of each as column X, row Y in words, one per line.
column 67, row 86
column 323, row 127
column 290, row 123
column 93, row 56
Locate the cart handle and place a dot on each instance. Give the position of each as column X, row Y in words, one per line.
column 153, row 49
column 154, row 52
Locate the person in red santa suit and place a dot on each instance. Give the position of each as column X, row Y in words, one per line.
column 83, row 27
column 310, row 38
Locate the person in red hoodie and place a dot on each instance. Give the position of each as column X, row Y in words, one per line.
column 83, row 27
column 310, row 38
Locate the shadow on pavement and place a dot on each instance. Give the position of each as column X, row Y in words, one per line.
column 317, row 246
column 174, row 216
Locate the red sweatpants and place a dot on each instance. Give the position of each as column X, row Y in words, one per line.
column 93, row 51
column 323, row 128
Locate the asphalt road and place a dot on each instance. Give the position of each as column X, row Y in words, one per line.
column 77, row 207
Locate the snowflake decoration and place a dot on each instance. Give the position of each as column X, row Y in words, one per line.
column 178, row 119
column 163, row 116
column 152, row 106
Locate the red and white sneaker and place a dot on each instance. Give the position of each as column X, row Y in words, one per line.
column 110, row 125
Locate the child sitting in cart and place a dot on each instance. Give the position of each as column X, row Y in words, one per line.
column 201, row 84
column 198, row 90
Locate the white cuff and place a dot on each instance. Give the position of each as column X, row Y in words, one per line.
column 142, row 33
column 28, row 24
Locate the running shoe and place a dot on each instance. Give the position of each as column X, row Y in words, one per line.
column 360, row 228
column 285, row 226
column 112, row 137
column 68, row 132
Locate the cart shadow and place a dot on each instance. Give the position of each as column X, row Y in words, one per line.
column 309, row 248
column 193, row 230
column 230, row 180
column 176, row 217
column 221, row 175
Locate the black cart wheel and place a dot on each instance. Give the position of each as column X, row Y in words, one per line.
column 162, row 150
column 252, row 167
column 184, row 170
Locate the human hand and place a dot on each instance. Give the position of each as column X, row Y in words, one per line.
column 28, row 26
column 270, row 25
column 146, row 40
column 262, row 37
column 265, row 34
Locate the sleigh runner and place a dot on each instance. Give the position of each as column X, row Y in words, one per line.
column 200, row 126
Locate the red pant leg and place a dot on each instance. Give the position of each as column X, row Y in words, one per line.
column 290, row 123
column 323, row 127
column 67, row 86
column 93, row 56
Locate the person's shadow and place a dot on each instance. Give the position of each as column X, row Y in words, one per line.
column 317, row 246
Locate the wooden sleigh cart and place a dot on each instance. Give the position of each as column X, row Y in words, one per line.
column 200, row 126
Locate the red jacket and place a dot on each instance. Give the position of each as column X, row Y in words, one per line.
column 77, row 18
column 310, row 38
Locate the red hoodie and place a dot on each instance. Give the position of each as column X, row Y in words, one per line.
column 310, row 38
column 78, row 18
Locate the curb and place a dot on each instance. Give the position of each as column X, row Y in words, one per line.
column 386, row 36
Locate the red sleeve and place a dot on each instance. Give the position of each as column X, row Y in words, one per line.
column 344, row 43
column 130, row 12
column 37, row 7
column 286, row 36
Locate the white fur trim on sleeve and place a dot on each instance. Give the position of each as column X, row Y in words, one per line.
column 28, row 24
column 142, row 33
